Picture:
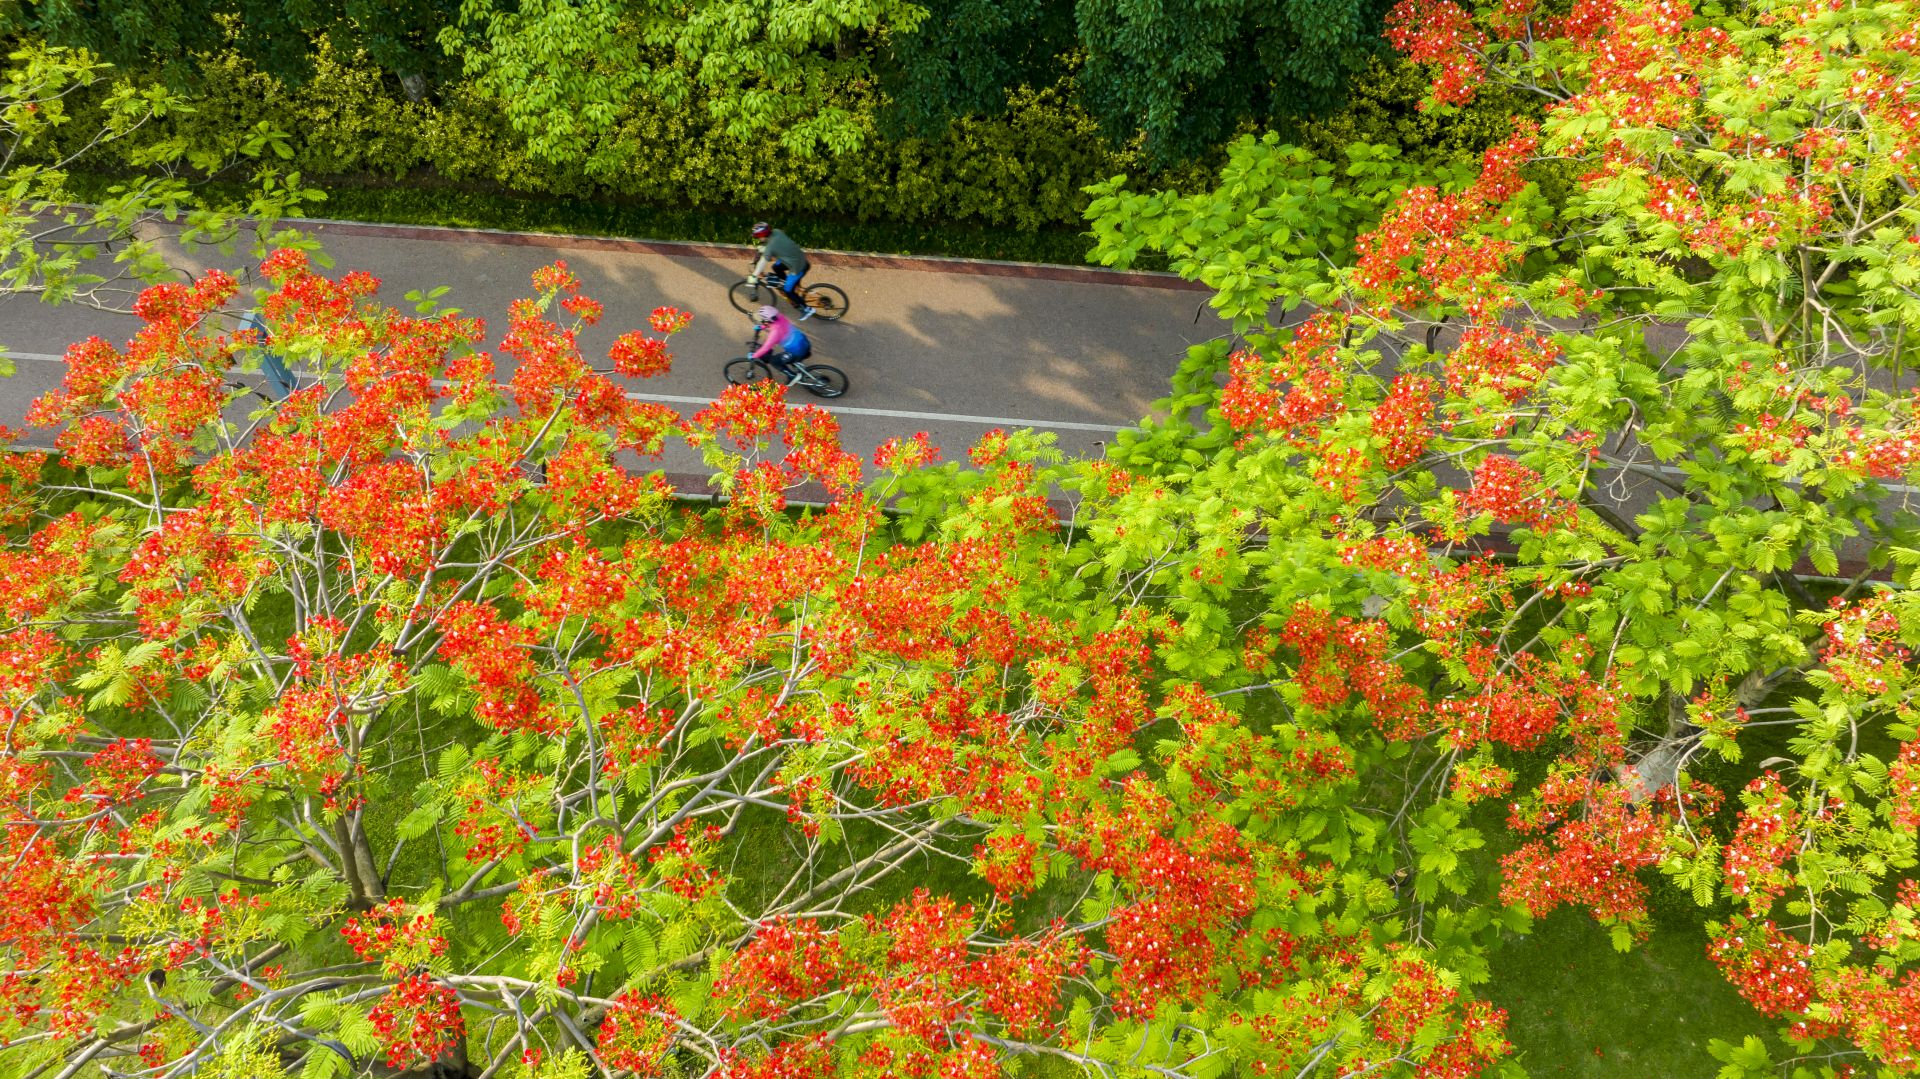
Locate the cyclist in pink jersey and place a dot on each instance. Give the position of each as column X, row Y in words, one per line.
column 784, row 342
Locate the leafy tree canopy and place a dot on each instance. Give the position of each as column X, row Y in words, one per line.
column 54, row 248
column 278, row 38
column 1184, row 75
column 1188, row 73
column 562, row 70
column 1681, row 389
column 965, row 62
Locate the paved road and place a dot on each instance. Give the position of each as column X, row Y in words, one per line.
column 941, row 346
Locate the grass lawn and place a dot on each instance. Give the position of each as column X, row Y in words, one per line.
column 1577, row 1007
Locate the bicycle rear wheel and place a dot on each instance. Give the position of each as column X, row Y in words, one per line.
column 826, row 301
column 746, row 296
column 824, row 380
column 746, row 371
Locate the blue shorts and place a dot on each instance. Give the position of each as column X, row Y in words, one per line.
column 792, row 280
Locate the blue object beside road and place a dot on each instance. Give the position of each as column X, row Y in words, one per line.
column 271, row 364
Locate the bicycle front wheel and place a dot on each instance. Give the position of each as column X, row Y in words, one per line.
column 745, row 296
column 826, row 301
column 746, row 371
column 824, row 380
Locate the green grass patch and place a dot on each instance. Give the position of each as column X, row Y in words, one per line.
column 1578, row 1008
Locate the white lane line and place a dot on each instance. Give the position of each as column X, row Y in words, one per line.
column 842, row 410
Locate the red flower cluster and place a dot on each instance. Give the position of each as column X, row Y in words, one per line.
column 1441, row 32
column 786, row 963
column 1402, row 420
column 396, row 938
column 19, row 477
column 194, row 565
column 1593, row 861
column 684, row 862
column 1190, row 892
column 50, row 571
column 1434, row 249
column 1021, row 984
column 1502, row 362
column 417, row 1021
column 636, row 355
column 389, row 512
column 1862, row 651
column 493, row 653
column 1296, row 390
column 1767, row 836
column 1516, row 494
column 1342, row 656
column 488, row 820
column 1903, row 787
column 637, row 1033
column 117, row 773
column 1770, row 969
column 151, row 400
column 787, row 1060
column 905, row 455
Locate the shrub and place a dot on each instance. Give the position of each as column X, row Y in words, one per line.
column 1022, row 170
column 1383, row 108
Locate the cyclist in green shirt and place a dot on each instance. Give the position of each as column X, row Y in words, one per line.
column 778, row 250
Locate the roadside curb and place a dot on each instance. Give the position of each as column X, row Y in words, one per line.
column 1037, row 271
column 690, row 486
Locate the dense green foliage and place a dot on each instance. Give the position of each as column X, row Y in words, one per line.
column 1024, row 169
column 1010, row 184
column 564, row 72
column 97, row 254
column 964, row 62
column 1188, row 73
column 1384, row 107
column 171, row 36
column 993, row 114
column 1183, row 76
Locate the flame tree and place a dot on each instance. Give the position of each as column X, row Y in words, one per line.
column 1658, row 340
column 412, row 721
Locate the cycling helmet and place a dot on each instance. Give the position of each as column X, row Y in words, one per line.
column 765, row 314
column 762, row 230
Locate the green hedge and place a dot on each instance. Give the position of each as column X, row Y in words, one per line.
column 450, row 205
column 1383, row 107
column 1005, row 187
column 1021, row 171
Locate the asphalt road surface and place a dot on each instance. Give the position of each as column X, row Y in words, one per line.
column 951, row 348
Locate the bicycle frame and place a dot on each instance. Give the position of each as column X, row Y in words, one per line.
column 772, row 281
column 796, row 369
column 792, row 371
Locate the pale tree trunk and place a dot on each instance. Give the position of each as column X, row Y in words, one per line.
column 1659, row 767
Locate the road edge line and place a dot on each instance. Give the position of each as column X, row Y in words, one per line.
column 1091, row 275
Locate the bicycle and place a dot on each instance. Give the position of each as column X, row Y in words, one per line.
column 818, row 379
column 828, row 302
